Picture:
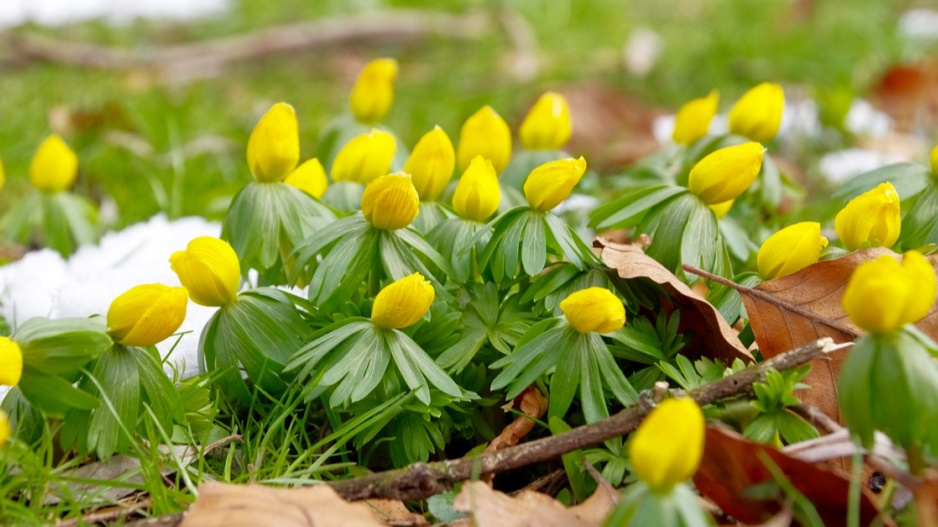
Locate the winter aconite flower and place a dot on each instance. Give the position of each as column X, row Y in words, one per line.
column 478, row 194
column 883, row 296
column 391, row 202
column 933, row 160
column 484, row 134
column 364, row 158
column 2, row 175
column 726, row 173
column 758, row 113
column 431, row 164
column 11, row 362
column 54, row 167
column 373, row 92
column 309, row 177
column 790, row 250
column 209, row 270
column 595, row 309
column 274, row 145
column 870, row 219
column 668, row 445
column 403, row 302
column 693, row 119
column 552, row 182
column 547, row 125
column 5, row 431
column 146, row 314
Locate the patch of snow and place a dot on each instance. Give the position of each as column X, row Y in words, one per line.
column 800, row 119
column 865, row 120
column 641, row 51
column 919, row 23
column 843, row 165
column 60, row 12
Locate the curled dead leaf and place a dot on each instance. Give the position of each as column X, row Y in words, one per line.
column 490, row 508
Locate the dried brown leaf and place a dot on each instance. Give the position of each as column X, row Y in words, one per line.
column 490, row 508
column 394, row 512
column 532, row 403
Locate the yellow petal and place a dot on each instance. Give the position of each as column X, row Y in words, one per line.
column 274, row 145
column 933, row 160
column 209, row 270
column 403, row 302
column 923, row 286
column 790, row 250
column 309, row 177
column 722, row 209
column 147, row 314
column 431, row 164
column 5, row 431
column 883, row 296
column 391, row 202
column 726, row 173
column 552, row 182
column 484, row 134
column 364, row 158
column 373, row 93
column 2, row 175
column 478, row 193
column 871, row 219
column 54, row 167
column 668, row 445
column 11, row 362
column 594, row 309
column 547, row 126
column 693, row 119
column 758, row 113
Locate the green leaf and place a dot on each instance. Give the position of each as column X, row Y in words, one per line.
column 116, row 372
column 534, row 245
column 567, row 374
column 909, row 179
column 630, row 209
column 53, row 394
column 61, row 346
column 581, row 483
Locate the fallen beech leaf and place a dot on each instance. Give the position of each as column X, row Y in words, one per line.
column 713, row 337
column 490, row 508
column 926, row 501
column 531, row 402
column 394, row 512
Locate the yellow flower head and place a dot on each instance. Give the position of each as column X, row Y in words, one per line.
column 790, row 250
column 726, row 173
column 547, row 125
column 552, row 182
column 484, row 134
column 870, row 220
column 933, row 160
column 693, row 119
column 883, row 296
column 373, row 92
column 364, row 158
column 11, row 362
column 391, row 202
column 668, row 445
column 54, row 167
column 147, row 314
column 274, row 145
column 2, row 176
column 309, row 177
column 209, row 270
column 594, row 309
column 758, row 113
column 431, row 164
column 478, row 194
column 403, row 302
column 721, row 209
column 5, row 431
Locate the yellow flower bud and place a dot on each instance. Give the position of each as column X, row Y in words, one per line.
column 373, row 92
column 668, row 445
column 883, row 296
column 722, row 209
column 547, row 125
column 209, row 270
column 431, row 164
column 790, row 250
column 391, row 202
column 147, row 314
column 309, row 177
column 403, row 302
column 11, row 362
column 552, row 182
column 726, row 173
column 2, row 176
column 933, row 160
column 758, row 113
column 364, row 158
column 54, row 167
column 478, row 194
column 693, row 119
column 594, row 309
column 5, row 431
column 484, row 134
column 274, row 145
column 870, row 220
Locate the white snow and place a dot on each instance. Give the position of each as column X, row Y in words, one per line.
column 60, row 12
column 842, row 165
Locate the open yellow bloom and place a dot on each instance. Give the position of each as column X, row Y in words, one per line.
column 484, row 134
column 547, row 126
column 871, row 219
column 5, row 431
column 373, row 92
column 209, row 270
column 391, row 202
column 309, row 177
column 668, row 445
column 722, row 209
column 478, row 194
column 431, row 164
column 364, row 158
column 11, row 362
column 54, row 167
column 693, row 119
column 726, row 173
column 790, row 250
column 594, row 309
column 403, row 302
column 882, row 296
column 758, row 113
column 933, row 160
column 274, row 145
column 147, row 314
column 552, row 182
